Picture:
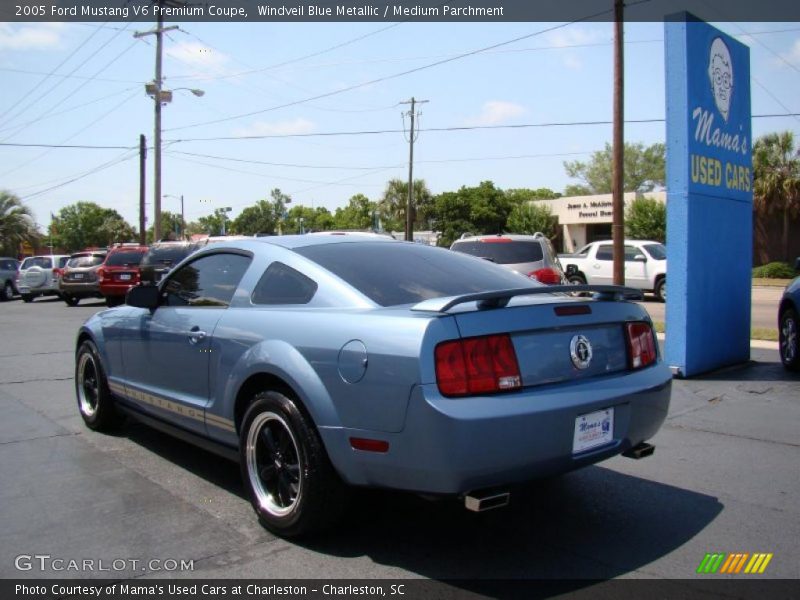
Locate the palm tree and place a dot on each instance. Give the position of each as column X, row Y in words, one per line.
column 776, row 172
column 16, row 224
column 395, row 198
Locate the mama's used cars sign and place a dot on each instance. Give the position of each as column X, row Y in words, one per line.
column 719, row 105
column 709, row 197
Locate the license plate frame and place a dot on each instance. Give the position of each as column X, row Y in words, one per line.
column 593, row 430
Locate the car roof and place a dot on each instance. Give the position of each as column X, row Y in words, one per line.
column 516, row 237
column 301, row 241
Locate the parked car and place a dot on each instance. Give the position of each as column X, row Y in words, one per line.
column 8, row 277
column 331, row 361
column 120, row 272
column 531, row 255
column 788, row 323
column 645, row 265
column 39, row 276
column 162, row 256
column 79, row 279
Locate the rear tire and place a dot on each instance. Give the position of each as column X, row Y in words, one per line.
column 114, row 301
column 787, row 340
column 95, row 402
column 27, row 298
column 292, row 485
column 70, row 300
column 7, row 293
column 661, row 289
column 576, row 280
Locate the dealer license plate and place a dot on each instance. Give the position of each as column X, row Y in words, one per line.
column 125, row 277
column 593, row 429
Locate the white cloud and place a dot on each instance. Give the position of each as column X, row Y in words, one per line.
column 571, row 37
column 495, row 112
column 793, row 56
column 291, row 127
column 30, row 37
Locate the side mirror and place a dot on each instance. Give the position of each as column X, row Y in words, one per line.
column 640, row 258
column 143, row 296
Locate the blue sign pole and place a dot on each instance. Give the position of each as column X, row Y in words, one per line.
column 709, row 197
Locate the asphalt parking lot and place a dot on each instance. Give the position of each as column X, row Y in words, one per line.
column 724, row 478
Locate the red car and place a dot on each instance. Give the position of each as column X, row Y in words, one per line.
column 120, row 272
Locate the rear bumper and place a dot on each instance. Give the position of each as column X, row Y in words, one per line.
column 115, row 289
column 45, row 290
column 451, row 446
column 80, row 290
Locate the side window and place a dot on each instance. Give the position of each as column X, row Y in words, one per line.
column 605, row 252
column 631, row 252
column 281, row 284
column 208, row 281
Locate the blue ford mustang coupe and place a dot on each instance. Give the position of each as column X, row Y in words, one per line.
column 324, row 362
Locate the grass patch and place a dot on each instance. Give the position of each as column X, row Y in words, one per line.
column 767, row 334
column 764, row 282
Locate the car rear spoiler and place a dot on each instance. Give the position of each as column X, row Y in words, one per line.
column 500, row 298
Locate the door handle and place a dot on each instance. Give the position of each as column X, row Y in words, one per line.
column 196, row 336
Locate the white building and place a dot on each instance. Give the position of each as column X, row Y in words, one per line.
column 585, row 219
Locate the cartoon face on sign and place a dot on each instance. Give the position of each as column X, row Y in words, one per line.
column 720, row 73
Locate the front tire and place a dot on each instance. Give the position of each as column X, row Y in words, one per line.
column 70, row 300
column 95, row 402
column 27, row 298
column 787, row 340
column 292, row 485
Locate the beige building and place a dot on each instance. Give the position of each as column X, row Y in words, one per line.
column 585, row 219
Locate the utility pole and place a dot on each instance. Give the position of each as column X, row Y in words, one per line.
column 410, row 203
column 142, row 171
column 618, row 174
column 160, row 96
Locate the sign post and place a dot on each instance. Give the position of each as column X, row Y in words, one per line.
column 709, row 197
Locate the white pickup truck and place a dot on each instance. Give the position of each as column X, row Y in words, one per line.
column 645, row 265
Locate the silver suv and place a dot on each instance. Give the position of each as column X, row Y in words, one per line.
column 531, row 255
column 8, row 276
column 38, row 276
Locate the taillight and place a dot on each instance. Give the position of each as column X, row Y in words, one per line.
column 641, row 344
column 546, row 275
column 477, row 365
column 58, row 273
column 100, row 274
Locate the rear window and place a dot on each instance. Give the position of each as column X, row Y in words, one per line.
column 85, row 261
column 503, row 253
column 167, row 256
column 43, row 262
column 126, row 258
column 8, row 265
column 392, row 274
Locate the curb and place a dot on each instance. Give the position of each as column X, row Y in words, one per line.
column 760, row 344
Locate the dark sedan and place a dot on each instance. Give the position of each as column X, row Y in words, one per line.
column 788, row 323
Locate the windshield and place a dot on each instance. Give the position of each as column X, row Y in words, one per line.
column 391, row 274
column 167, row 255
column 85, row 261
column 127, row 258
column 657, row 251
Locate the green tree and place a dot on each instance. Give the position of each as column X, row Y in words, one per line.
column 313, row 219
column 16, row 224
column 477, row 210
column 646, row 219
column 259, row 218
column 776, row 186
column 529, row 218
column 574, row 189
column 359, row 214
column 520, row 195
column 172, row 227
column 85, row 224
column 392, row 205
column 643, row 166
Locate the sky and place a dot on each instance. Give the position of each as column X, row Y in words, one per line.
column 317, row 93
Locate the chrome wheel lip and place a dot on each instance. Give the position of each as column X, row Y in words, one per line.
column 264, row 497
column 788, row 339
column 88, row 405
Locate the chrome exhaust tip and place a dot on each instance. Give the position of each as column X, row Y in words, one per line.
column 641, row 450
column 483, row 500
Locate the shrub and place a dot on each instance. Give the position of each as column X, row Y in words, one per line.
column 774, row 270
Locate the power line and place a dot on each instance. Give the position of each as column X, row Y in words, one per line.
column 395, row 75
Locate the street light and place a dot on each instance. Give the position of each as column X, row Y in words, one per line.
column 183, row 218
